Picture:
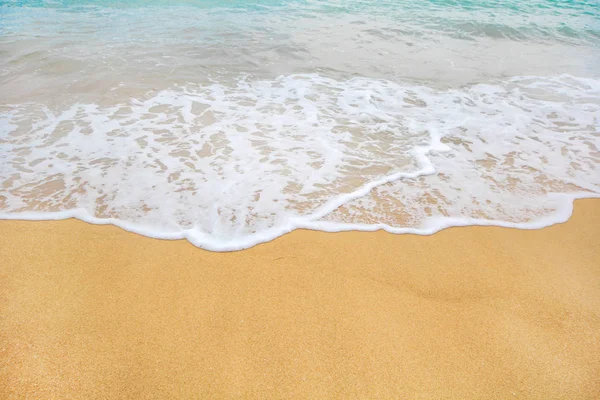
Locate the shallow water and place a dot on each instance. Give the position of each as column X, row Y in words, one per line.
column 230, row 123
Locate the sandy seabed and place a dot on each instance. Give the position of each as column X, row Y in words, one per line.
column 95, row 312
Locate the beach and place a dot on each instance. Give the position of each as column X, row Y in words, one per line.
column 90, row 311
column 276, row 199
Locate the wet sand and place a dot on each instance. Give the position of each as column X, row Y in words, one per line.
column 90, row 312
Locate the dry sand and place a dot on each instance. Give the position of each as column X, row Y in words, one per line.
column 470, row 313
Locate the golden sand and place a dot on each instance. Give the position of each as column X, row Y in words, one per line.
column 95, row 312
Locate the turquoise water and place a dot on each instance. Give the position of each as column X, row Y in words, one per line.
column 566, row 21
column 230, row 123
column 559, row 20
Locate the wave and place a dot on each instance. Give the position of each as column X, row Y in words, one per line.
column 232, row 164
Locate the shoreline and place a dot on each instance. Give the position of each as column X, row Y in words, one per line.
column 562, row 214
column 93, row 311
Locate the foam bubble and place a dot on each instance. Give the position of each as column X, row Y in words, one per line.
column 228, row 166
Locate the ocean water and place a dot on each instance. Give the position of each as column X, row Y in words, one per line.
column 230, row 123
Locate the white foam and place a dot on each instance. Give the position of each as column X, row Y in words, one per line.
column 230, row 165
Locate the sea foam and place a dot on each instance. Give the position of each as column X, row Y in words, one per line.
column 228, row 166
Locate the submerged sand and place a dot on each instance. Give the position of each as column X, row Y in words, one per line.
column 96, row 312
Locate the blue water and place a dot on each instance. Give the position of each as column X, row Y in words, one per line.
column 571, row 21
column 230, row 123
